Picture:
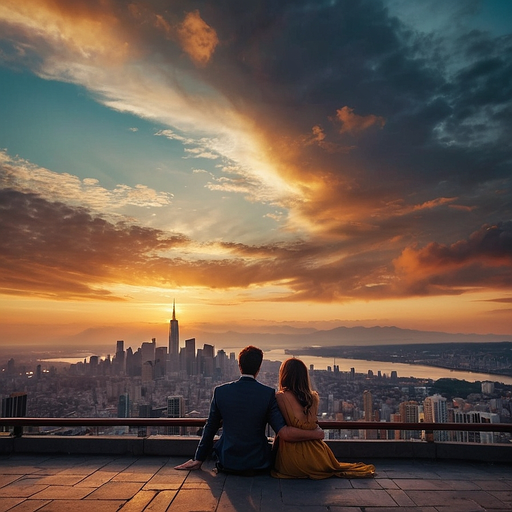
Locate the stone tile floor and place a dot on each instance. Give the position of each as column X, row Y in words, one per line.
column 58, row 483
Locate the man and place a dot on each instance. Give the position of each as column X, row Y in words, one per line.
column 244, row 408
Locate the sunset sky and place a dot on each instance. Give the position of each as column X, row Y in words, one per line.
column 302, row 163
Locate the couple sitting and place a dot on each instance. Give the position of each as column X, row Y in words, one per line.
column 244, row 408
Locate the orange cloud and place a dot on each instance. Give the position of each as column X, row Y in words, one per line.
column 197, row 38
column 434, row 203
column 353, row 123
column 485, row 259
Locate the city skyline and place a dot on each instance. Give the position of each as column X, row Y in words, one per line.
column 290, row 166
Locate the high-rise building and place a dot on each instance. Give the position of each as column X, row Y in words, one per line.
column 175, row 409
column 174, row 335
column 123, row 406
column 147, row 372
column 190, row 356
column 435, row 411
column 368, row 405
column 119, row 359
column 174, row 341
column 15, row 406
column 475, row 417
column 207, row 364
column 409, row 413
column 160, row 362
column 148, row 351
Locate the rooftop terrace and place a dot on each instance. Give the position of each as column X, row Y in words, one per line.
column 149, row 483
column 54, row 473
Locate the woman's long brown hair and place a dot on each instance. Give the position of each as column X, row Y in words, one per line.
column 294, row 377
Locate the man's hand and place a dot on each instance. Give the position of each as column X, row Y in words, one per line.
column 294, row 435
column 190, row 465
column 319, row 433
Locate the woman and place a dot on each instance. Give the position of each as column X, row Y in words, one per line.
column 306, row 459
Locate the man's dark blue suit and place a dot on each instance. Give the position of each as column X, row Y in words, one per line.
column 244, row 407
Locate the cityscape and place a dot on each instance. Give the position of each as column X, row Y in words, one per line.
column 174, row 381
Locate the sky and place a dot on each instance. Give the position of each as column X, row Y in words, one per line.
column 264, row 164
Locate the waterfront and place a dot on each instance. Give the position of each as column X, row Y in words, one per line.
column 385, row 367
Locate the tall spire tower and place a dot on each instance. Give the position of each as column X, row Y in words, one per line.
column 174, row 334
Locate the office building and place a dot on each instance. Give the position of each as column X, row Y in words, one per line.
column 119, row 359
column 148, row 349
column 190, row 357
column 123, row 406
column 368, row 405
column 175, row 409
column 14, row 406
column 409, row 413
column 435, row 411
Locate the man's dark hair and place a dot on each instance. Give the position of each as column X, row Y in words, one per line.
column 250, row 359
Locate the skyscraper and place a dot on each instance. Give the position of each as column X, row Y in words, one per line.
column 174, row 341
column 368, row 405
column 190, row 356
column 175, row 409
column 119, row 358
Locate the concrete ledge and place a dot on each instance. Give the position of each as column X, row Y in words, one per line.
column 366, row 449
column 474, row 452
column 348, row 450
column 174, row 446
column 94, row 445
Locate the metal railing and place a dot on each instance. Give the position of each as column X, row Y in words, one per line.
column 199, row 422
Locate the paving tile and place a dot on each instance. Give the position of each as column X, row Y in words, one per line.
column 62, row 492
column 197, row 500
column 29, row 506
column 97, row 479
column 386, row 483
column 8, row 503
column 251, row 494
column 347, row 497
column 468, row 507
column 495, row 485
column 504, row 496
column 17, row 469
column 161, row 502
column 139, row 501
column 401, row 498
column 58, row 479
column 116, row 491
column 21, row 489
column 7, row 479
column 455, row 498
column 81, row 506
column 165, row 481
column 435, row 485
column 395, row 509
column 365, row 484
column 342, row 509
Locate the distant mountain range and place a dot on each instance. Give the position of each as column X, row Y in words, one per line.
column 341, row 336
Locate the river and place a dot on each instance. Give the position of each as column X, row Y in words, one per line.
column 402, row 369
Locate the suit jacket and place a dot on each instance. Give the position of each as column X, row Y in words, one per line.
column 244, row 407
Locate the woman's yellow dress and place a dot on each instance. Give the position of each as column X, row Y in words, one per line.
column 312, row 459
